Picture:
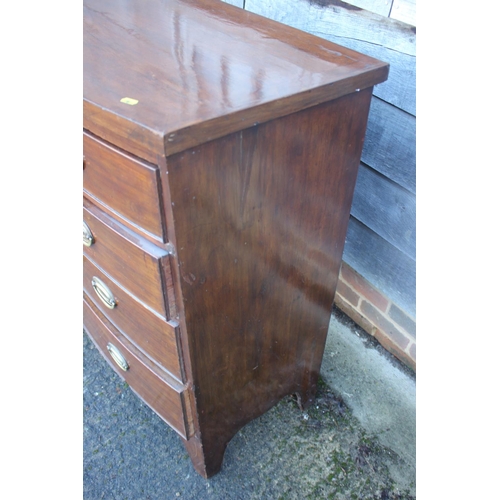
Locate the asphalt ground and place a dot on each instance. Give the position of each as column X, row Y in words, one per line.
column 350, row 444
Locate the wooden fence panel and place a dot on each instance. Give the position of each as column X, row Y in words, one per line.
column 386, row 208
column 382, row 264
column 390, row 146
column 405, row 11
column 381, row 7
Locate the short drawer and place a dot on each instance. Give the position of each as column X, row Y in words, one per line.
column 167, row 398
column 129, row 187
column 153, row 335
column 141, row 268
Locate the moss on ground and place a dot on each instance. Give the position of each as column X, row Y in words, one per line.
column 327, row 453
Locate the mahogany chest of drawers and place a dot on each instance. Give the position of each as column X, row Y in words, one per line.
column 220, row 156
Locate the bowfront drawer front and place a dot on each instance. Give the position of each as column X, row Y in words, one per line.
column 141, row 268
column 127, row 186
column 168, row 399
column 154, row 336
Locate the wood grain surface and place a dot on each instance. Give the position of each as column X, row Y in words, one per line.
column 154, row 336
column 382, row 264
column 146, row 380
column 386, row 208
column 189, row 91
column 261, row 218
column 137, row 265
column 390, row 144
column 124, row 185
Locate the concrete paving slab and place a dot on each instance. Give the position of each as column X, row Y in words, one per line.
column 380, row 391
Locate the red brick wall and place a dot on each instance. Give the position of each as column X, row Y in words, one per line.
column 377, row 315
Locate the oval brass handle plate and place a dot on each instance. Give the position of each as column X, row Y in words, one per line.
column 117, row 356
column 103, row 292
column 88, row 237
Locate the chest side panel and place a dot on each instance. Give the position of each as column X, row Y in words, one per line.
column 260, row 219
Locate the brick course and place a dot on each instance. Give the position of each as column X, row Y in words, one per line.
column 350, row 311
column 365, row 289
column 384, row 325
column 402, row 319
column 377, row 315
column 348, row 293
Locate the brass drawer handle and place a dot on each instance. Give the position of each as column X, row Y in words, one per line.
column 117, row 356
column 104, row 293
column 88, row 237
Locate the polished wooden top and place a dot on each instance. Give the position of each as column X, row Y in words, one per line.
column 200, row 69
